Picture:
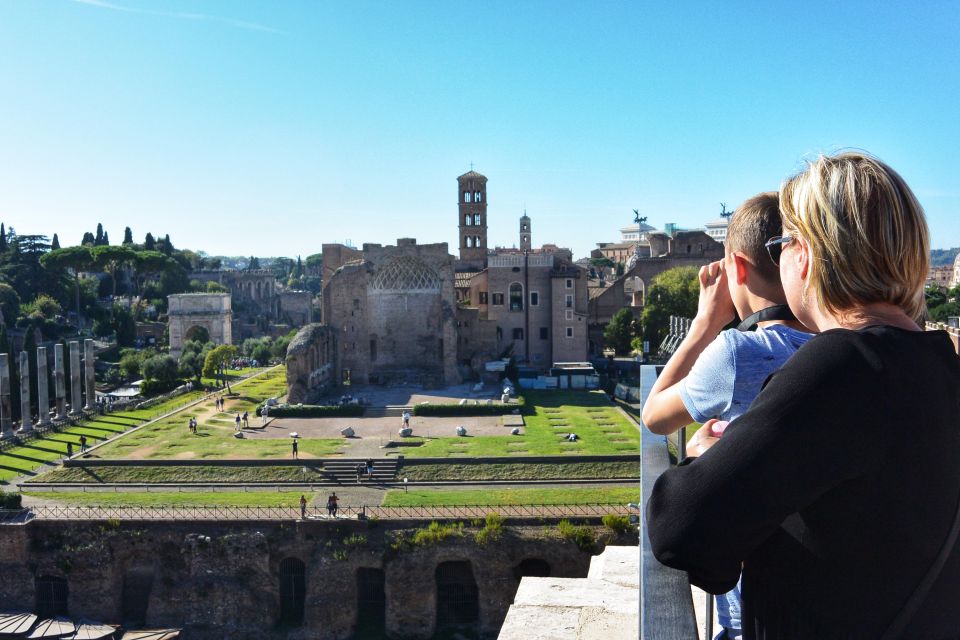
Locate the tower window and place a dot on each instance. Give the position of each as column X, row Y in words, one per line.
column 569, row 332
column 476, row 219
column 498, row 299
column 468, row 241
column 569, row 283
column 466, row 220
column 478, row 197
column 568, row 299
column 476, row 241
column 466, row 196
column 534, row 298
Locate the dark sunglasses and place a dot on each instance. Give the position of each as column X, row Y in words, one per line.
column 775, row 247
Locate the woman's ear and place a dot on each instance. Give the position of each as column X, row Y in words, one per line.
column 803, row 258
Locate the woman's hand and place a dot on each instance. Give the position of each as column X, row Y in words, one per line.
column 702, row 440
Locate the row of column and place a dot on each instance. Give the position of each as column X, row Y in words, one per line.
column 43, row 396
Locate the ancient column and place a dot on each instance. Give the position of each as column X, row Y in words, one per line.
column 6, row 424
column 90, row 382
column 43, row 396
column 76, row 401
column 26, row 423
column 58, row 382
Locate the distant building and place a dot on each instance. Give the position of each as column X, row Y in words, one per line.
column 942, row 276
column 956, row 272
column 717, row 229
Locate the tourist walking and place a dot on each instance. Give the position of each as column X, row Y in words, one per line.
column 246, row 419
column 83, row 443
column 360, row 470
column 295, row 449
column 69, row 449
column 406, row 419
column 237, row 422
column 332, row 505
column 303, row 507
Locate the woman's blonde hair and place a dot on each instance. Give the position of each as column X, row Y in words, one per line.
column 866, row 230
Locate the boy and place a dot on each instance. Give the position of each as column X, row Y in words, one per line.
column 716, row 374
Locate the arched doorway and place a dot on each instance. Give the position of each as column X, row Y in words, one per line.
column 52, row 596
column 198, row 333
column 458, row 601
column 371, row 603
column 293, row 590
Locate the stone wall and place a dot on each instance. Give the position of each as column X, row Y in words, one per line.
column 220, row 580
column 311, row 363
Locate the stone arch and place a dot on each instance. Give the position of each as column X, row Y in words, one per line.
column 458, row 599
column 406, row 273
column 209, row 311
column 293, row 591
column 52, row 596
column 259, row 292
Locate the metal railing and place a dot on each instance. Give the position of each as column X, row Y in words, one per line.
column 666, row 602
column 354, row 512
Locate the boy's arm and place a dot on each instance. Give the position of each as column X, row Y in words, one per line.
column 664, row 411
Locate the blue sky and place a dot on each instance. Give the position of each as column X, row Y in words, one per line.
column 270, row 127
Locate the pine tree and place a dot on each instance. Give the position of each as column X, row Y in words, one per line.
column 3, row 238
column 167, row 245
column 98, row 240
column 55, row 243
column 127, row 236
column 149, row 243
column 106, row 239
column 88, row 239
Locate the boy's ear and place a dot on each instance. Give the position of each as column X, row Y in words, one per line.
column 741, row 265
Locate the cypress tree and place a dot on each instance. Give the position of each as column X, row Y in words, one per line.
column 3, row 238
column 98, row 240
column 127, row 236
column 149, row 243
column 106, row 238
column 55, row 243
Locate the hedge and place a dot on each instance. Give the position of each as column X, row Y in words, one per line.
column 10, row 500
column 453, row 410
column 313, row 411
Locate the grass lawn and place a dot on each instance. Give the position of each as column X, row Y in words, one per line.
column 524, row 471
column 292, row 473
column 170, row 438
column 549, row 416
column 171, row 498
column 493, row 496
column 25, row 459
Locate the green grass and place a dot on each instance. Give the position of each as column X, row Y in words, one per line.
column 492, row 496
column 170, row 498
column 179, row 474
column 26, row 459
column 521, row 471
column 549, row 416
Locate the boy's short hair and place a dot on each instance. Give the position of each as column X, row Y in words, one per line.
column 866, row 231
column 752, row 224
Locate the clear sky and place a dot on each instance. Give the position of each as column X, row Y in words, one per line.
column 270, row 127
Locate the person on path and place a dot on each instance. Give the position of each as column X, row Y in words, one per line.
column 369, row 467
column 406, row 419
column 295, row 449
column 360, row 470
column 246, row 419
column 237, row 422
column 69, row 449
column 83, row 443
column 332, row 505
column 303, row 507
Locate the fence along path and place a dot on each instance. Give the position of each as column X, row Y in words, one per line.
column 314, row 512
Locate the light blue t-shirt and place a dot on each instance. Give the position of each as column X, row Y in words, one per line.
column 729, row 373
column 722, row 384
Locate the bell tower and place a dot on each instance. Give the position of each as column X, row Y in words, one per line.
column 525, row 233
column 472, row 219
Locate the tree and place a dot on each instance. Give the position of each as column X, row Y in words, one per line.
column 674, row 292
column 55, row 243
column 253, row 264
column 88, row 240
column 3, row 239
column 127, row 236
column 9, row 304
column 112, row 259
column 620, row 332
column 314, row 263
column 166, row 247
column 217, row 359
column 76, row 259
column 149, row 243
column 161, row 371
column 149, row 264
column 130, row 363
column 98, row 240
column 45, row 306
column 106, row 239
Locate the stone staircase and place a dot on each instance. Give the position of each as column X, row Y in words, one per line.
column 390, row 411
column 345, row 471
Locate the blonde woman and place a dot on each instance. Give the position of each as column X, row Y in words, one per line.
column 838, row 490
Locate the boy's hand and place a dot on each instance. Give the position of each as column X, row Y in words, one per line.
column 702, row 440
column 715, row 308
